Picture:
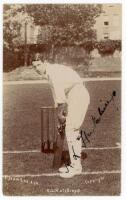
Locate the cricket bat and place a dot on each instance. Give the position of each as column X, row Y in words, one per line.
column 59, row 147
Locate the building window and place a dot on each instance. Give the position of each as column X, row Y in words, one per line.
column 106, row 23
column 106, row 35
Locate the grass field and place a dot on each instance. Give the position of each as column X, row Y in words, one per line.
column 27, row 171
column 106, row 64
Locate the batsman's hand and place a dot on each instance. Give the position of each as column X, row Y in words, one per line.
column 62, row 112
column 61, row 119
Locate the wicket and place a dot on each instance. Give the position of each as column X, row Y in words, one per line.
column 48, row 129
column 51, row 140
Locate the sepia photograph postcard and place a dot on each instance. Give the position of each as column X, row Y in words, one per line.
column 62, row 68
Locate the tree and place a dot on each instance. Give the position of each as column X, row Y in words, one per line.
column 68, row 24
column 14, row 17
column 71, row 24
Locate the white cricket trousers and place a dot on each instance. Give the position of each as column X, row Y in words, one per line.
column 78, row 100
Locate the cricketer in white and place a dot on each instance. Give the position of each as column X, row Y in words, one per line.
column 68, row 87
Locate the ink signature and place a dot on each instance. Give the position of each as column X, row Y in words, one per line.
column 75, row 156
column 85, row 136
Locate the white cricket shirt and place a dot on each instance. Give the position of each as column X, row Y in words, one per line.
column 63, row 79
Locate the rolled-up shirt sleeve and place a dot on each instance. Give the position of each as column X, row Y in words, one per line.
column 59, row 93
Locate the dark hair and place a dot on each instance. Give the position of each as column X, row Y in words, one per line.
column 37, row 57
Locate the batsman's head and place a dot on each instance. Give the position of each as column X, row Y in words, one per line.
column 40, row 66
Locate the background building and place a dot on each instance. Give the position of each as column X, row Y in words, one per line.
column 108, row 24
